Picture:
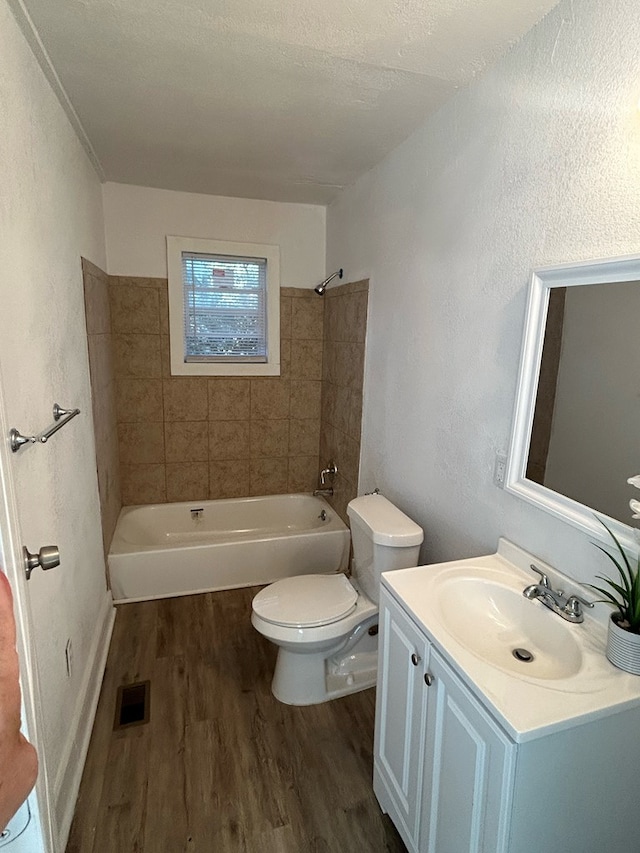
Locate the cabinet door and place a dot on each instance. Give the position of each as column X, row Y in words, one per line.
column 400, row 710
column 469, row 771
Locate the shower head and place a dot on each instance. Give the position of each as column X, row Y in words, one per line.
column 320, row 289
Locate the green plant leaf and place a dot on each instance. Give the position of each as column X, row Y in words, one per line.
column 608, row 597
column 628, row 603
column 618, row 546
column 625, row 580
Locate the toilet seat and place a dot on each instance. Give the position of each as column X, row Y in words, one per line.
column 306, row 601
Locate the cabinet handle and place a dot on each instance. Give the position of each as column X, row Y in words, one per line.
column 428, row 679
column 415, row 659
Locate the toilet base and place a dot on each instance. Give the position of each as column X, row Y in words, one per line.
column 310, row 679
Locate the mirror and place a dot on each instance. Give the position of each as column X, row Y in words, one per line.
column 576, row 433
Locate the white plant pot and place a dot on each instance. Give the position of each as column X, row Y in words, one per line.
column 623, row 648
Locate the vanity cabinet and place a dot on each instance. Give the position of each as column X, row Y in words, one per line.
column 454, row 781
column 442, row 765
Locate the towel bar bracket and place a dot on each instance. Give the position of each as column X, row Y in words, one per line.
column 60, row 418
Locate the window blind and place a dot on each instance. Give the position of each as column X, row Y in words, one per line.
column 225, row 308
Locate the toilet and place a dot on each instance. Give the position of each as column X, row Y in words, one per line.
column 326, row 626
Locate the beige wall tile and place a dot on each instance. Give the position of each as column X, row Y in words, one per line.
column 229, row 440
column 304, row 437
column 229, row 399
column 229, row 479
column 100, row 361
column 346, row 318
column 143, row 484
column 285, row 316
column 186, row 441
column 96, row 304
column 349, row 365
column 354, row 424
column 342, row 408
column 187, row 481
column 303, row 473
column 307, row 317
column 269, row 438
column 349, row 287
column 305, row 399
column 270, row 398
column 269, row 476
column 138, row 400
column 329, row 448
column 356, row 310
column 349, row 455
column 163, row 307
column 343, row 492
column 285, row 358
column 134, row 309
column 275, row 422
column 137, row 356
column 329, row 357
column 165, row 356
column 306, row 359
column 141, row 443
column 329, row 402
column 296, row 292
column 185, row 399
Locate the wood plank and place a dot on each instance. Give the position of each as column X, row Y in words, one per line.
column 222, row 765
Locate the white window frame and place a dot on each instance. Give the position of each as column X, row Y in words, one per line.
column 179, row 367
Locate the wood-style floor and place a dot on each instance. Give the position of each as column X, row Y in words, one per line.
column 222, row 765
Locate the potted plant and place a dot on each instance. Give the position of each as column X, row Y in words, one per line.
column 623, row 639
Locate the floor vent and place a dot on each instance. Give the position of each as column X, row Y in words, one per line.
column 132, row 705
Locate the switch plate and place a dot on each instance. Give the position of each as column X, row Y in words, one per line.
column 500, row 469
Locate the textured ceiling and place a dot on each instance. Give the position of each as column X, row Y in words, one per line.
column 281, row 99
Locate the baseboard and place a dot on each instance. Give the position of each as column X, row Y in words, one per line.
column 67, row 782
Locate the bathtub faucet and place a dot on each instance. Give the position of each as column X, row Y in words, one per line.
column 331, row 471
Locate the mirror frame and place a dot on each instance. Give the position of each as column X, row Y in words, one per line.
column 598, row 271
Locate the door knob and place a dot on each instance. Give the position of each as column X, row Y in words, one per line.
column 415, row 659
column 48, row 557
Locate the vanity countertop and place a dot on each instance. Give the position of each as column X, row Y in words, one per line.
column 570, row 683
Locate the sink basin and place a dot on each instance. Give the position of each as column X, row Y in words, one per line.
column 472, row 612
column 493, row 620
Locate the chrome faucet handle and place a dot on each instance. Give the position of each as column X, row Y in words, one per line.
column 544, row 580
column 575, row 603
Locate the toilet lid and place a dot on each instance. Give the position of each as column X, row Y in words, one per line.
column 306, row 601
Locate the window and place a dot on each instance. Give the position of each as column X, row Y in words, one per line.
column 224, row 314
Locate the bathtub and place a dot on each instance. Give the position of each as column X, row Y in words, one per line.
column 165, row 550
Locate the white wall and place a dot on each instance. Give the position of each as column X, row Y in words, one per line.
column 50, row 215
column 535, row 163
column 138, row 219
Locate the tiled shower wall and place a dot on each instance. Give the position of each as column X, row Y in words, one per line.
column 193, row 438
column 345, row 328
column 100, row 345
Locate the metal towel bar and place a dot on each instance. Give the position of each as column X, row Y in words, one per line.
column 60, row 417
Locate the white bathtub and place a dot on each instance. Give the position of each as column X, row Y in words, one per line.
column 165, row 550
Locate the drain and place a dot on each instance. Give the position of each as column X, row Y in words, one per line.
column 132, row 705
column 523, row 655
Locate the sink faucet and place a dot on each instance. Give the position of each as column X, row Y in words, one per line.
column 569, row 607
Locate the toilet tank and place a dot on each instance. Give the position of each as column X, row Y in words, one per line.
column 383, row 538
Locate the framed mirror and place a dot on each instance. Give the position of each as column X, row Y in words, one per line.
column 576, row 426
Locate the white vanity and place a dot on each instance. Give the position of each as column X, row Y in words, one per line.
column 479, row 751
